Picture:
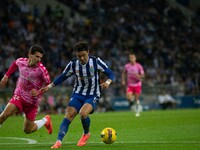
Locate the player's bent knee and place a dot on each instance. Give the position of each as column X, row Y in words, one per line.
column 83, row 115
column 27, row 131
column 70, row 116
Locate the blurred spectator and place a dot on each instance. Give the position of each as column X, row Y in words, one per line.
column 44, row 106
column 2, row 105
column 159, row 34
column 61, row 104
column 166, row 100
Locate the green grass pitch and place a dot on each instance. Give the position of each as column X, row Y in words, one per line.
column 153, row 130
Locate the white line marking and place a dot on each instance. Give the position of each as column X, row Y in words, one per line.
column 143, row 142
column 162, row 142
column 30, row 141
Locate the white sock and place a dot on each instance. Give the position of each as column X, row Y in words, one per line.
column 0, row 125
column 40, row 123
column 59, row 141
column 137, row 102
column 137, row 106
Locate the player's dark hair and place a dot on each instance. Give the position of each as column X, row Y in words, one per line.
column 81, row 46
column 131, row 52
column 36, row 48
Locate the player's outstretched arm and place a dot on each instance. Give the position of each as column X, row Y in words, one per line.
column 13, row 67
column 46, row 88
column 110, row 76
column 106, row 84
column 4, row 81
column 123, row 78
column 61, row 78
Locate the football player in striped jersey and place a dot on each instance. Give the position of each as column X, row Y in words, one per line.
column 86, row 91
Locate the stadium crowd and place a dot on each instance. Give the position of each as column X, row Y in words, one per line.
column 165, row 41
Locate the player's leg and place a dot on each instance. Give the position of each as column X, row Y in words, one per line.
column 32, row 125
column 8, row 111
column 137, row 104
column 130, row 98
column 137, row 92
column 12, row 107
column 71, row 113
column 88, row 108
column 85, row 120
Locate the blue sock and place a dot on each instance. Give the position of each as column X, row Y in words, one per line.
column 63, row 129
column 86, row 124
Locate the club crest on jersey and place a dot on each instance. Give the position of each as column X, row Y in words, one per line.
column 91, row 69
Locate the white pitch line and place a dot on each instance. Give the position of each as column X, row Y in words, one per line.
column 161, row 142
column 143, row 142
column 30, row 141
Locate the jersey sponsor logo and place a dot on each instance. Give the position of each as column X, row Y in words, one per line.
column 85, row 77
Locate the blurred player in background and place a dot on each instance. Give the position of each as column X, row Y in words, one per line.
column 86, row 92
column 32, row 76
column 132, row 76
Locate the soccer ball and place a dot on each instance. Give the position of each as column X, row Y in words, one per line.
column 108, row 135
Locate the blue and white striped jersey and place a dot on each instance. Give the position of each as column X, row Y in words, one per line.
column 87, row 76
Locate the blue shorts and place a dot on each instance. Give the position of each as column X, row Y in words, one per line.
column 77, row 101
